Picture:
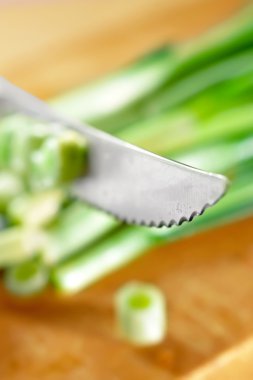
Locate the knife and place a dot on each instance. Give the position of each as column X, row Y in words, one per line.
column 133, row 184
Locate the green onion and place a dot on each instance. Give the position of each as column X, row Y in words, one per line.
column 172, row 133
column 18, row 244
column 60, row 159
column 5, row 142
column 186, row 88
column 10, row 187
column 76, row 227
column 44, row 155
column 26, row 279
column 38, row 209
column 232, row 124
column 228, row 38
column 237, row 156
column 92, row 264
column 141, row 313
column 19, row 137
column 112, row 102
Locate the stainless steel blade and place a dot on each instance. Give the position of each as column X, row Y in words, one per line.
column 131, row 183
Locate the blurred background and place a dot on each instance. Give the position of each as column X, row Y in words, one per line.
column 188, row 67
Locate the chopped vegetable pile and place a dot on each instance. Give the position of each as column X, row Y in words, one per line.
column 191, row 102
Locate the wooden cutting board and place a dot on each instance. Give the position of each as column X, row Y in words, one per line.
column 208, row 279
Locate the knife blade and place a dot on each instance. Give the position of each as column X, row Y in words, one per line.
column 133, row 184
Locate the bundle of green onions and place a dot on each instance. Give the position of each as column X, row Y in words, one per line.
column 192, row 103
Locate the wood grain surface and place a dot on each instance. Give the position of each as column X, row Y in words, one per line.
column 48, row 47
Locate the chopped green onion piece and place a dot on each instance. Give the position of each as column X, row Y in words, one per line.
column 38, row 209
column 26, row 279
column 141, row 313
column 72, row 156
column 19, row 147
column 61, row 159
column 10, row 187
column 18, row 244
column 19, row 137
